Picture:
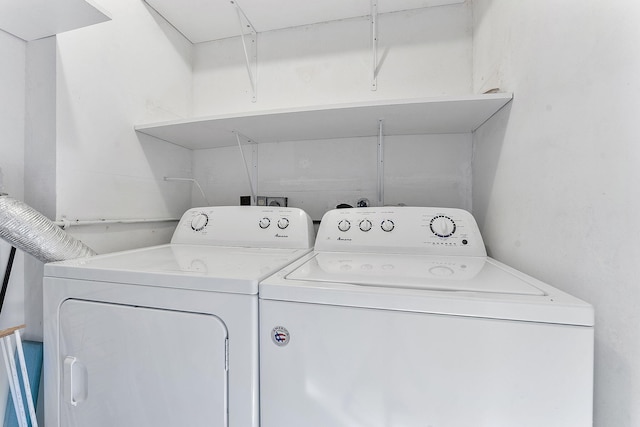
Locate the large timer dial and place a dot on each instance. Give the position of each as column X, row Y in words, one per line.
column 199, row 222
column 442, row 226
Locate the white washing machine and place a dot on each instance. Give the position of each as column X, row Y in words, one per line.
column 167, row 335
column 399, row 319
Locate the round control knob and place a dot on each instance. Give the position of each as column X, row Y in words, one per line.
column 283, row 223
column 387, row 225
column 344, row 225
column 365, row 225
column 264, row 222
column 442, row 226
column 441, row 271
column 199, row 222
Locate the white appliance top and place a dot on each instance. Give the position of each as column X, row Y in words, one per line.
column 469, row 274
column 428, row 260
column 204, row 254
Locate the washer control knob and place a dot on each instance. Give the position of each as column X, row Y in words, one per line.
column 199, row 222
column 283, row 223
column 442, row 226
column 387, row 225
column 365, row 225
column 344, row 225
column 441, row 271
column 264, row 222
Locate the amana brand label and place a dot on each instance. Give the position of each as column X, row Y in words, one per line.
column 280, row 336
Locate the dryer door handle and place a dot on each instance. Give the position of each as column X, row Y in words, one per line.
column 75, row 381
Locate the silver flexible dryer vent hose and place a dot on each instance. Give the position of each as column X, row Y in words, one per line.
column 30, row 231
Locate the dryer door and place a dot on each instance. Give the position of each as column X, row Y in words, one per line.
column 134, row 366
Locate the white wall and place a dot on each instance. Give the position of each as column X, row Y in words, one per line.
column 420, row 170
column 12, row 123
column 87, row 89
column 12, row 133
column 39, row 162
column 110, row 76
column 425, row 52
column 556, row 174
column 40, row 135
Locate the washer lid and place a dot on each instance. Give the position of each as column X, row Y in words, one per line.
column 459, row 286
column 207, row 268
column 454, row 274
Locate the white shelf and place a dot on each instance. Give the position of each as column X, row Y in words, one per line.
column 401, row 117
column 35, row 19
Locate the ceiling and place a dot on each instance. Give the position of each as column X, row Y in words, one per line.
column 206, row 20
column 35, row 19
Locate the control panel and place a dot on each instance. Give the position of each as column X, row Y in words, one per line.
column 438, row 231
column 246, row 226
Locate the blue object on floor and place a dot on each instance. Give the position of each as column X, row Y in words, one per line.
column 33, row 359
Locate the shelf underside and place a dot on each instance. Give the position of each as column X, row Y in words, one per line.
column 202, row 21
column 406, row 117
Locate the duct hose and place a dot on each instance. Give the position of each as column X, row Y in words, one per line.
column 30, row 231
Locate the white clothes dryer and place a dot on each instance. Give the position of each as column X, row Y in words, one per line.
column 167, row 335
column 399, row 319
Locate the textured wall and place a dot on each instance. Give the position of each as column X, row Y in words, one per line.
column 133, row 69
column 423, row 53
column 12, row 134
column 556, row 173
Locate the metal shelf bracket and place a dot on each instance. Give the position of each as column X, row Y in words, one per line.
column 250, row 47
column 252, row 172
column 380, row 163
column 374, row 44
